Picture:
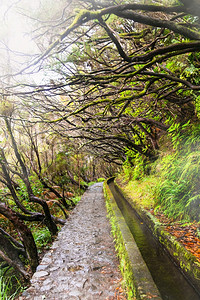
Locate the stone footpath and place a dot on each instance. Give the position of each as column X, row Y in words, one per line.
column 81, row 263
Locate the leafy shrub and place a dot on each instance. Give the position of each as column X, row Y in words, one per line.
column 178, row 191
column 42, row 237
column 76, row 199
column 35, row 185
column 136, row 166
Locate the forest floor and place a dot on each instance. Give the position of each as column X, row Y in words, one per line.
column 82, row 262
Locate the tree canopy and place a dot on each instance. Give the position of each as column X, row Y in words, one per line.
column 121, row 74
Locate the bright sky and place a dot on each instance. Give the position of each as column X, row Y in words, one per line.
column 13, row 32
column 18, row 18
column 16, row 27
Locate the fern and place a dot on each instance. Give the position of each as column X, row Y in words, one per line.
column 178, row 192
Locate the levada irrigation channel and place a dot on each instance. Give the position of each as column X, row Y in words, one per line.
column 170, row 281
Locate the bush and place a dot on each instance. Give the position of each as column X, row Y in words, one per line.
column 42, row 237
column 178, row 191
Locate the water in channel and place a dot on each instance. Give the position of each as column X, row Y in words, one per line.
column 171, row 283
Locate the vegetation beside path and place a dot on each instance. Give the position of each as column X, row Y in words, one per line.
column 169, row 187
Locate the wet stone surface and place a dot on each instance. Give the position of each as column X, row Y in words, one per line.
column 81, row 263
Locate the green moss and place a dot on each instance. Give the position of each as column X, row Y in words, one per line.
column 124, row 263
column 84, row 15
column 135, row 35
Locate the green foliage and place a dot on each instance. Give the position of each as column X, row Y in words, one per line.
column 178, row 190
column 197, row 106
column 77, row 55
column 35, row 185
column 91, row 183
column 171, row 183
column 100, row 179
column 178, row 64
column 42, row 237
column 22, row 190
column 76, row 199
column 192, row 73
column 135, row 166
column 6, row 287
column 141, row 191
column 176, row 131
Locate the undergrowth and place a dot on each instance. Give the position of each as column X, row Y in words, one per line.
column 178, row 190
column 140, row 191
column 10, row 286
column 172, row 185
column 43, row 238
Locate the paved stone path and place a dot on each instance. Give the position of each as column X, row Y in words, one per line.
column 82, row 263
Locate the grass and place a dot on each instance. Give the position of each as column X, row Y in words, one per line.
column 141, row 191
column 42, row 237
column 8, row 290
column 171, row 183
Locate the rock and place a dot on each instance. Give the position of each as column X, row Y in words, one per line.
column 40, row 274
column 41, row 268
column 54, row 268
column 46, row 260
column 46, row 288
column 74, row 293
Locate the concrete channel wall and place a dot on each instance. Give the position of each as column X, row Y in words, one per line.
column 183, row 258
column 143, row 286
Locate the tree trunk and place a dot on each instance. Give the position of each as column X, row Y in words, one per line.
column 24, row 233
column 13, row 264
column 12, row 251
column 48, row 219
